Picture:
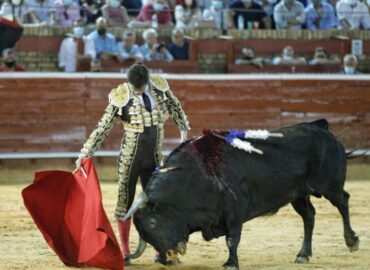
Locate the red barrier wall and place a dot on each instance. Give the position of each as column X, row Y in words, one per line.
column 41, row 113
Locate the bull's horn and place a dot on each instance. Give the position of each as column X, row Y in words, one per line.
column 139, row 251
column 139, row 202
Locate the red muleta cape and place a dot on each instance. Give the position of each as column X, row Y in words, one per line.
column 68, row 210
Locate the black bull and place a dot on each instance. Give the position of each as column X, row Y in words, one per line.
column 209, row 186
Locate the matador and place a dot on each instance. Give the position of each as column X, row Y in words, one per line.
column 143, row 104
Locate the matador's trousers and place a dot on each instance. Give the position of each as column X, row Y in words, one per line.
column 140, row 154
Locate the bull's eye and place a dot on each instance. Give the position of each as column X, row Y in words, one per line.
column 152, row 223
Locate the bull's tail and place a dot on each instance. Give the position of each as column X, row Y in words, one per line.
column 352, row 154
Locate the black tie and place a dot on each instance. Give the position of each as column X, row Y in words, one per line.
column 147, row 104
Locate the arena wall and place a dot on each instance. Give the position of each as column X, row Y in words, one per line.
column 56, row 112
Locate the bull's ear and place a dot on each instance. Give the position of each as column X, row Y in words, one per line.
column 165, row 169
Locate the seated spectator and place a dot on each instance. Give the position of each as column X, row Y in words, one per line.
column 206, row 4
column 350, row 64
column 14, row 10
column 158, row 11
column 114, row 13
column 127, row 49
column 267, row 6
column 41, row 12
column 10, row 62
column 288, row 58
column 253, row 15
column 179, row 48
column 161, row 53
column 68, row 52
column 289, row 14
column 249, row 58
column 105, row 43
column 151, row 50
column 66, row 13
column 321, row 57
column 320, row 15
column 187, row 14
column 132, row 6
column 352, row 14
column 91, row 10
column 215, row 13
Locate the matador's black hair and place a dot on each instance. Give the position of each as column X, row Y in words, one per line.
column 138, row 75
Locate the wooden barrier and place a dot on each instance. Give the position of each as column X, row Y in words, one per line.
column 56, row 112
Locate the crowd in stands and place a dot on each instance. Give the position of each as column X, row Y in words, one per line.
column 91, row 19
column 288, row 57
column 222, row 14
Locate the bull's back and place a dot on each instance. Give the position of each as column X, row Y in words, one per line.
column 307, row 160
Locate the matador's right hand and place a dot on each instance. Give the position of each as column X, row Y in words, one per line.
column 78, row 163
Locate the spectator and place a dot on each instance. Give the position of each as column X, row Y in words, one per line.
column 288, row 58
column 179, row 48
column 320, row 15
column 150, row 37
column 289, row 14
column 91, row 11
column 157, row 11
column 114, row 13
column 151, row 50
column 352, row 14
column 41, row 11
column 161, row 53
column 14, row 10
column 206, row 4
column 215, row 13
column 267, row 5
column 333, row 3
column 66, row 13
column 127, row 49
column 68, row 52
column 253, row 15
column 187, row 14
column 321, row 57
column 350, row 64
column 132, row 6
column 249, row 58
column 10, row 61
column 105, row 43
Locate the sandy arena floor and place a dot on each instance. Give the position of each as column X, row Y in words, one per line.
column 267, row 242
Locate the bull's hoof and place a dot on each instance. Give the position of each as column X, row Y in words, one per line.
column 355, row 245
column 127, row 261
column 228, row 267
column 302, row 259
column 158, row 259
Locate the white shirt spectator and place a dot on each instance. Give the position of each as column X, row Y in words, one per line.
column 205, row 4
column 41, row 9
column 67, row 56
column 216, row 15
column 186, row 18
column 20, row 10
column 355, row 12
column 268, row 8
column 282, row 15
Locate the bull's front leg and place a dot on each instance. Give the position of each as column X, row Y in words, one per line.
column 232, row 241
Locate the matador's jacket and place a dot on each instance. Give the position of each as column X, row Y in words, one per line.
column 141, row 146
